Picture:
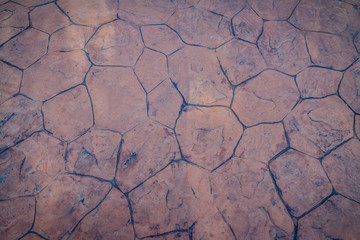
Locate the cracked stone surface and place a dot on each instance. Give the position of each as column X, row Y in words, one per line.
column 179, row 119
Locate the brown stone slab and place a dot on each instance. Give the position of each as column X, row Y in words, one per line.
column 350, row 87
column 31, row 236
column 30, row 3
column 10, row 80
column 357, row 125
column 273, row 10
column 225, row 8
column 180, row 4
column 311, row 129
column 172, row 236
column 247, row 25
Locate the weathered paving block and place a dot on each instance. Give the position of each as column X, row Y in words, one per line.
column 247, row 25
column 10, row 80
column 226, row 8
column 273, row 10
column 350, row 87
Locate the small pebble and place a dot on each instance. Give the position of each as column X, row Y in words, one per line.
column 211, row 37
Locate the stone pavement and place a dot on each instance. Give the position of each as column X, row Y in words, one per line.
column 182, row 119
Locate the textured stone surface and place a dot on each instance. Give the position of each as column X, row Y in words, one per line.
column 31, row 165
column 146, row 149
column 54, row 73
column 116, row 88
column 180, row 4
column 20, row 117
column 10, row 80
column 273, row 10
column 207, row 136
column 31, row 236
column 68, row 114
column 198, row 76
column 357, row 125
column 302, row 181
column 30, row 3
column 240, row 60
column 226, row 8
column 116, row 43
column 350, row 87
column 247, row 25
column 337, row 218
column 266, row 98
column 25, row 48
column 318, row 82
column 312, row 131
column 94, row 153
column 342, row 166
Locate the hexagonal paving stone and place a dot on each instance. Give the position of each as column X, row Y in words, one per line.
column 207, row 136
column 70, row 198
column 245, row 195
column 318, row 82
column 146, row 149
column 89, row 12
column 198, row 76
column 266, row 98
column 311, row 129
column 10, row 80
column 161, row 38
column 227, row 8
column 331, row 51
column 68, row 114
column 283, row 47
column 116, row 43
column 178, row 196
column 20, row 117
column 301, row 179
column 53, row 22
column 180, row 4
column 16, row 217
column 111, row 220
column 30, row 3
column 94, row 153
column 118, row 99
column 350, row 87
column 151, row 68
column 54, row 73
column 200, row 27
column 274, row 10
column 357, row 125
column 25, row 48
column 240, row 60
column 165, row 103
column 247, row 25
column 70, row 38
column 337, row 218
column 31, row 236
column 262, row 142
column 146, row 12
column 14, row 19
column 31, row 165
column 342, row 166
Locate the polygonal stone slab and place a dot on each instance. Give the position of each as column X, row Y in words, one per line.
column 32, row 236
column 70, row 38
column 14, row 19
column 30, row 3
column 266, row 98
column 31, row 165
column 357, row 125
column 247, row 25
column 337, row 218
column 315, row 126
column 283, row 47
column 94, row 153
column 111, row 220
column 20, row 117
column 207, row 136
column 115, row 43
column 342, row 166
column 178, row 196
column 53, row 22
column 301, row 179
column 200, row 27
column 161, row 38
column 198, row 76
column 119, row 101
column 146, row 149
column 176, row 235
column 226, row 8
column 180, row 4
column 262, row 142
column 68, row 114
column 69, row 198
column 54, row 73
column 274, row 10
column 240, row 60
column 89, row 12
column 330, row 50
column 357, row 42
column 246, row 196
column 151, row 68
column 16, row 217
column 10, row 80
column 146, row 12
column 318, row 82
column 350, row 87
column 164, row 103
column 25, row 48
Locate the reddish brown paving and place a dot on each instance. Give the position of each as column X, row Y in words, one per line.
column 218, row 6
column 247, row 25
column 273, row 10
column 9, row 81
column 350, row 87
